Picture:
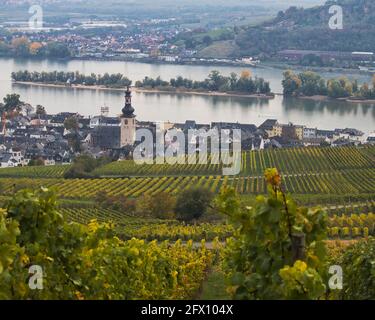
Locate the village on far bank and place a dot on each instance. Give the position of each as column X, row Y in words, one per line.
column 31, row 136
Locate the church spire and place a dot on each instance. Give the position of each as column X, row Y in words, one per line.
column 128, row 110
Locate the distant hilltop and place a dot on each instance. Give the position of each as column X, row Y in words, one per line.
column 308, row 29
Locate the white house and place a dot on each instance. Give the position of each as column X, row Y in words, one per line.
column 104, row 121
column 7, row 160
column 309, row 133
column 12, row 158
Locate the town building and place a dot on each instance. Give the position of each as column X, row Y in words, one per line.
column 287, row 131
column 309, row 133
column 114, row 132
column 12, row 158
column 267, row 126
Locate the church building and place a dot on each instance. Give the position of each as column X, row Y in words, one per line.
column 115, row 133
column 128, row 122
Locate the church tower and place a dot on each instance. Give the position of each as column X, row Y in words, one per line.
column 127, row 118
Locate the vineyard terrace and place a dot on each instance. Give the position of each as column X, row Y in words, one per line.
column 196, row 147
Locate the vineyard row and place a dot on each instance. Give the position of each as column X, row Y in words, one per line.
column 351, row 182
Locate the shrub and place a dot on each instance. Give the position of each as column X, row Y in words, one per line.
column 119, row 202
column 83, row 166
column 161, row 206
column 193, row 203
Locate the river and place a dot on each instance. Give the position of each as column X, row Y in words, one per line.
column 181, row 107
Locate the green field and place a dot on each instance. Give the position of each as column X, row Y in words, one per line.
column 34, row 172
column 343, row 223
column 308, row 173
column 340, row 180
column 253, row 163
column 353, row 182
column 288, row 161
column 343, row 179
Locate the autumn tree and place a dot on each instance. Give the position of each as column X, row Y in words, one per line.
column 365, row 91
column 11, row 104
column 246, row 74
column 161, row 205
column 291, row 83
column 310, row 83
column 35, row 48
column 21, row 46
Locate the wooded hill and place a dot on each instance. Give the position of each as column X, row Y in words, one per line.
column 308, row 29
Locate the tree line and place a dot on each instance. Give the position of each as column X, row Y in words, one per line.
column 306, row 83
column 110, row 80
column 189, row 206
column 215, row 81
column 243, row 83
column 309, row 83
column 22, row 47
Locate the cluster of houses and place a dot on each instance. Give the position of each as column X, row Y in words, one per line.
column 291, row 135
column 26, row 138
column 152, row 40
column 47, row 139
column 148, row 40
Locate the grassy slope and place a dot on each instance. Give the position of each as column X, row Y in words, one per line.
column 219, row 49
